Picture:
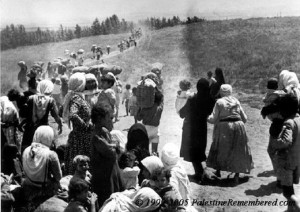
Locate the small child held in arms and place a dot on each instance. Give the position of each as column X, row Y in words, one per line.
column 129, row 170
column 126, row 97
column 182, row 94
column 132, row 104
column 170, row 196
column 81, row 199
column 81, row 162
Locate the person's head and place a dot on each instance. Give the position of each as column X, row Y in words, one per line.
column 32, row 83
column 134, row 89
column 184, row 85
column 107, row 81
column 64, row 79
column 209, row 74
column 53, row 80
column 288, row 105
column 79, row 190
column 101, row 117
column 137, row 136
column 170, row 155
column 150, row 164
column 161, row 177
column 225, row 90
column 81, row 162
column 145, row 195
column 77, row 82
column 128, row 86
column 202, row 86
column 91, row 82
column 13, row 94
column 272, row 84
column 45, row 87
column 44, row 135
column 21, row 64
column 127, row 159
column 288, row 80
column 219, row 76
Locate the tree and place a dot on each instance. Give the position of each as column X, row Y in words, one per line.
column 77, row 31
column 96, row 27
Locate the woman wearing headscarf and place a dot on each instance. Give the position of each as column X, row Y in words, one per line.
column 179, row 179
column 91, row 90
column 138, row 143
column 133, row 201
column 77, row 114
column 41, row 167
column 39, row 107
column 229, row 150
column 215, row 86
column 288, row 82
column 194, row 130
column 9, row 121
column 104, row 165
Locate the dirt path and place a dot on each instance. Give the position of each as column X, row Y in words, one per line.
column 261, row 184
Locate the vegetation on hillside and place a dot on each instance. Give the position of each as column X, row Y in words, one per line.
column 14, row 36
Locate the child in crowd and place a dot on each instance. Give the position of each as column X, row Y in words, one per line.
column 210, row 78
column 182, row 94
column 132, row 104
column 129, row 170
column 81, row 162
column 151, row 119
column 126, row 97
column 288, row 147
column 79, row 197
column 56, row 93
column 107, row 97
column 170, row 196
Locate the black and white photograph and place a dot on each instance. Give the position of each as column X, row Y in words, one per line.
column 150, row 105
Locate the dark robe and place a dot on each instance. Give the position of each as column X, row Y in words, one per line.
column 194, row 130
column 104, row 167
column 138, row 143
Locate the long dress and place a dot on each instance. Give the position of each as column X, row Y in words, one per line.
column 105, row 169
column 229, row 150
column 194, row 130
column 79, row 138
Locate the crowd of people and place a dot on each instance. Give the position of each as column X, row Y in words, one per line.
column 105, row 171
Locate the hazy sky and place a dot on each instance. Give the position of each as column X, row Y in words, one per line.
column 69, row 12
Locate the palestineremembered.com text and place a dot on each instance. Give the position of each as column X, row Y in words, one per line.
column 203, row 202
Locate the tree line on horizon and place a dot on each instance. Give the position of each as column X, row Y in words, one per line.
column 159, row 23
column 14, row 36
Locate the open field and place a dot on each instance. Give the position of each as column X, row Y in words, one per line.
column 249, row 51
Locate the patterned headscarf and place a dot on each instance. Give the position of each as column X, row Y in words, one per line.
column 76, row 86
column 225, row 90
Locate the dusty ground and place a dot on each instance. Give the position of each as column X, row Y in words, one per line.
column 258, row 186
column 261, row 184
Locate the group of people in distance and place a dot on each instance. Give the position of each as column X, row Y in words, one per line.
column 100, row 169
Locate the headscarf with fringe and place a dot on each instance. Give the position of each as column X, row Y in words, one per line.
column 76, row 86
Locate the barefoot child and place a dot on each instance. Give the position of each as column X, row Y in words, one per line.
column 126, row 97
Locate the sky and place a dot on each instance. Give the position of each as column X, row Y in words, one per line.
column 52, row 13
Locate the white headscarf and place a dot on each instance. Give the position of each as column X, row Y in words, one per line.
column 45, row 87
column 225, row 90
column 152, row 163
column 76, row 85
column 171, row 160
column 118, row 137
column 289, row 81
column 36, row 156
column 9, row 112
column 120, row 202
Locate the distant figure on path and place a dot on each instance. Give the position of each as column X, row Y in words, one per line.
column 22, row 75
column 108, row 49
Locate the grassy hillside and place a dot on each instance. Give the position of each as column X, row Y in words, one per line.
column 48, row 52
column 249, row 51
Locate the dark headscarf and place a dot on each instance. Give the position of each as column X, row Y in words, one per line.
column 137, row 136
column 219, row 76
column 203, row 87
